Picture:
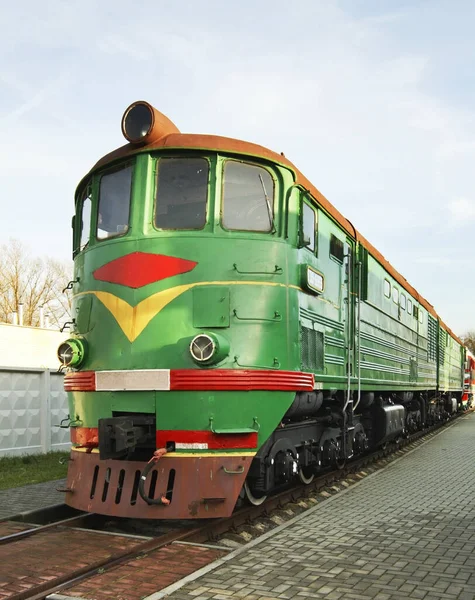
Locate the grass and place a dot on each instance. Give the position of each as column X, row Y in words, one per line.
column 17, row 471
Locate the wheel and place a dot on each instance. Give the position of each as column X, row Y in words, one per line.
column 306, row 476
column 254, row 500
column 340, row 463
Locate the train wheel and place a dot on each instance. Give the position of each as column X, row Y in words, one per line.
column 306, row 476
column 340, row 463
column 254, row 500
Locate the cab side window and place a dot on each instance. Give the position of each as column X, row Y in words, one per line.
column 114, row 203
column 308, row 226
column 337, row 249
column 83, row 219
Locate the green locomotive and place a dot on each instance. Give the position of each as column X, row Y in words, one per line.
column 232, row 330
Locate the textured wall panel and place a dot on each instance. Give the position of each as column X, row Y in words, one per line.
column 59, row 411
column 31, row 402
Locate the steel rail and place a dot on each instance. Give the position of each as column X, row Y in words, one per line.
column 68, row 579
column 13, row 537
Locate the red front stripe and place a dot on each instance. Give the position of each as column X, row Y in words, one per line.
column 86, row 437
column 81, row 381
column 237, row 379
column 214, row 441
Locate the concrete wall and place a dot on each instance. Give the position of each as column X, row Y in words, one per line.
column 32, row 399
column 32, row 405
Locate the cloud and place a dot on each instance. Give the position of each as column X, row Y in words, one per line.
column 462, row 210
column 35, row 98
column 440, row 261
column 119, row 44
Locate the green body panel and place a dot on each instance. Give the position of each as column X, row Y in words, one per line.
column 252, row 302
column 223, row 411
column 451, row 356
column 326, row 313
column 393, row 343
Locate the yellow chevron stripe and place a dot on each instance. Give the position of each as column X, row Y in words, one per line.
column 134, row 319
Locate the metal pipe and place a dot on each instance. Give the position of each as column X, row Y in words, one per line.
column 42, row 317
column 359, row 337
column 348, row 326
column 14, row 317
column 20, row 314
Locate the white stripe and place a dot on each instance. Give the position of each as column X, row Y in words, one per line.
column 143, row 379
column 191, row 446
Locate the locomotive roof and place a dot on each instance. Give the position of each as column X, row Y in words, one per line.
column 180, row 141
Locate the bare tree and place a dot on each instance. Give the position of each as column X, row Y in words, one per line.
column 469, row 340
column 33, row 282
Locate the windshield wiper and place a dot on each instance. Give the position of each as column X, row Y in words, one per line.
column 269, row 208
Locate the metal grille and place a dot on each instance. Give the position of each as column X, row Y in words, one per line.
column 432, row 339
column 312, row 349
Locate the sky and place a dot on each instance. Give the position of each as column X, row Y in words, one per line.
column 373, row 100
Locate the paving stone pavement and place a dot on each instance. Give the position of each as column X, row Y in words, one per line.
column 30, row 497
column 406, row 532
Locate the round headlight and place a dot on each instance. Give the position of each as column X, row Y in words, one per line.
column 208, row 348
column 202, row 348
column 137, row 122
column 71, row 353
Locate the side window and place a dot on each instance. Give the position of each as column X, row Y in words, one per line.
column 336, row 248
column 84, row 217
column 114, row 203
column 402, row 302
column 416, row 312
column 409, row 306
column 395, row 295
column 308, row 226
column 421, row 316
column 248, row 197
column 387, row 288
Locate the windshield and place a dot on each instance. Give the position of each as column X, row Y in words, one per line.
column 182, row 192
column 114, row 203
column 248, row 197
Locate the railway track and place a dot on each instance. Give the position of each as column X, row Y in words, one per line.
column 68, row 535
